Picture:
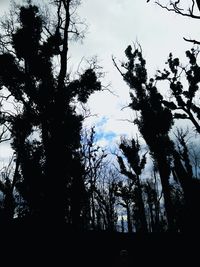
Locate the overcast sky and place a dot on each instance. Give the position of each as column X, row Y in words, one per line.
column 112, row 26
column 115, row 24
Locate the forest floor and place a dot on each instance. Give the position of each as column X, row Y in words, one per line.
column 59, row 247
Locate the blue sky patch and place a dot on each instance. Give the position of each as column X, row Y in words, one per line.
column 102, row 122
column 105, row 135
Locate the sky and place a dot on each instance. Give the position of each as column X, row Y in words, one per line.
column 115, row 24
column 112, row 26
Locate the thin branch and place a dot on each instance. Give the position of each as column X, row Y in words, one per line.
column 2, row 138
column 126, row 120
column 6, row 97
column 192, row 10
column 5, row 140
column 191, row 41
column 116, row 66
column 128, row 106
column 177, row 10
column 106, row 88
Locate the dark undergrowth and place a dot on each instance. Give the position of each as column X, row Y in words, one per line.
column 32, row 244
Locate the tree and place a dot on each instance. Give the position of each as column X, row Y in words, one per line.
column 95, row 164
column 153, row 204
column 184, row 86
column 46, row 95
column 154, row 121
column 125, row 193
column 131, row 150
column 7, row 197
column 184, row 96
column 183, row 173
column 107, row 200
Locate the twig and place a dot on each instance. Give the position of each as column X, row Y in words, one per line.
column 178, row 10
column 116, row 66
column 128, row 106
column 106, row 88
column 126, row 120
column 191, row 41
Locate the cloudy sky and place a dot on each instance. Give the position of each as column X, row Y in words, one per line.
column 115, row 24
column 112, row 26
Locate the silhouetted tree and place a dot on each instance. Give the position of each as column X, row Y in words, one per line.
column 179, row 204
column 190, row 186
column 107, row 200
column 184, row 96
column 7, row 197
column 131, row 151
column 154, row 120
column 153, row 204
column 195, row 160
column 125, row 193
column 122, row 224
column 95, row 164
column 51, row 170
column 184, row 86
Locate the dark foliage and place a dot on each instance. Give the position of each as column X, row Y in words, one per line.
column 154, row 121
column 50, row 172
column 131, row 152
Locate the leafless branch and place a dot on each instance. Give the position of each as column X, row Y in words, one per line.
column 117, row 67
column 2, row 138
column 192, row 9
column 127, row 120
column 191, row 41
column 178, row 10
column 106, row 88
column 128, row 106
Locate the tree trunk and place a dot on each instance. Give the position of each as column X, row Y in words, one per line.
column 164, row 177
column 141, row 207
column 129, row 223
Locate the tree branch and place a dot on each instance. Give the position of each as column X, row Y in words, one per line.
column 177, row 10
column 191, row 41
column 116, row 66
